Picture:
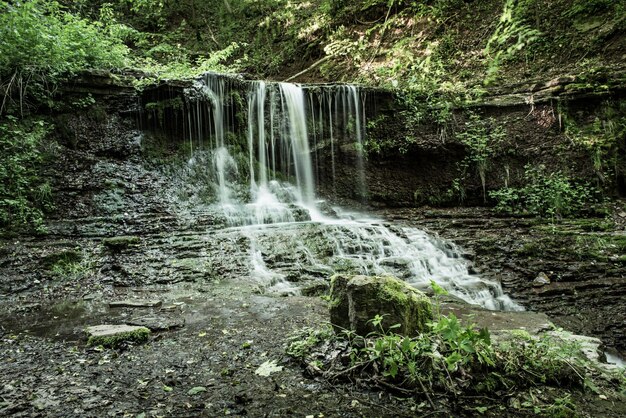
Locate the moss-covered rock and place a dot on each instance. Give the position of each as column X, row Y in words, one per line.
column 355, row 300
column 120, row 243
column 112, row 336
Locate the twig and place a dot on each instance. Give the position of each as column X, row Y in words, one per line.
column 315, row 64
column 382, row 35
column 7, row 91
column 432, row 413
column 396, row 388
column 432, row 404
column 377, row 405
column 213, row 36
column 574, row 368
column 346, row 371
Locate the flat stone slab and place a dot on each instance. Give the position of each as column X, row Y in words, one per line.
column 135, row 303
column 533, row 322
column 114, row 335
column 157, row 323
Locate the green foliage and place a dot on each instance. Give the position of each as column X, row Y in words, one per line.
column 602, row 136
column 511, row 35
column 301, row 343
column 23, row 194
column 481, row 138
column 450, row 358
column 549, row 194
column 42, row 43
column 418, row 360
column 181, row 69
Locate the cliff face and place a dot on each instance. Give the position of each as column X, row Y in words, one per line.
column 558, row 126
column 562, row 126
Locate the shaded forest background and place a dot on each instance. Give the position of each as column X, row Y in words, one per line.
column 436, row 55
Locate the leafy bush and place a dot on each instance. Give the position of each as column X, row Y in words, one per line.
column 41, row 43
column 23, row 194
column 545, row 194
column 451, row 358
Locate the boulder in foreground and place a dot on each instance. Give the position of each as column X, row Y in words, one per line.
column 355, row 300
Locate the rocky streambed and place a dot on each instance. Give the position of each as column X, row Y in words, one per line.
column 208, row 355
column 216, row 322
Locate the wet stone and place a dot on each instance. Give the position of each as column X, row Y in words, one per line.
column 132, row 303
column 157, row 323
column 589, row 346
column 542, row 279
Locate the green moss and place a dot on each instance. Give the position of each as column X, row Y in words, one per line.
column 395, row 290
column 530, row 249
column 121, row 242
column 337, row 289
column 139, row 336
column 405, row 296
column 355, row 300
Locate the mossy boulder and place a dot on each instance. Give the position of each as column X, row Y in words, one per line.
column 355, row 300
column 120, row 243
column 112, row 336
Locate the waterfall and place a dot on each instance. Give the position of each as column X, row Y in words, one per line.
column 299, row 139
column 264, row 182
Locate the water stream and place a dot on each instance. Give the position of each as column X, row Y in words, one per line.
column 264, row 180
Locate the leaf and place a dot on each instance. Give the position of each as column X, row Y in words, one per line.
column 268, row 368
column 196, row 390
column 452, row 360
column 438, row 289
column 167, row 388
column 481, row 409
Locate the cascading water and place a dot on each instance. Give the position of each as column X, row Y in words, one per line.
column 288, row 238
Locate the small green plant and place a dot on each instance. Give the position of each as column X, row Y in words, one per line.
column 301, row 343
column 553, row 195
column 481, row 139
column 438, row 291
column 67, row 265
column 24, row 195
column 512, row 34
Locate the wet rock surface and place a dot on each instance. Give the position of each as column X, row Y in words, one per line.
column 229, row 333
column 582, row 258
